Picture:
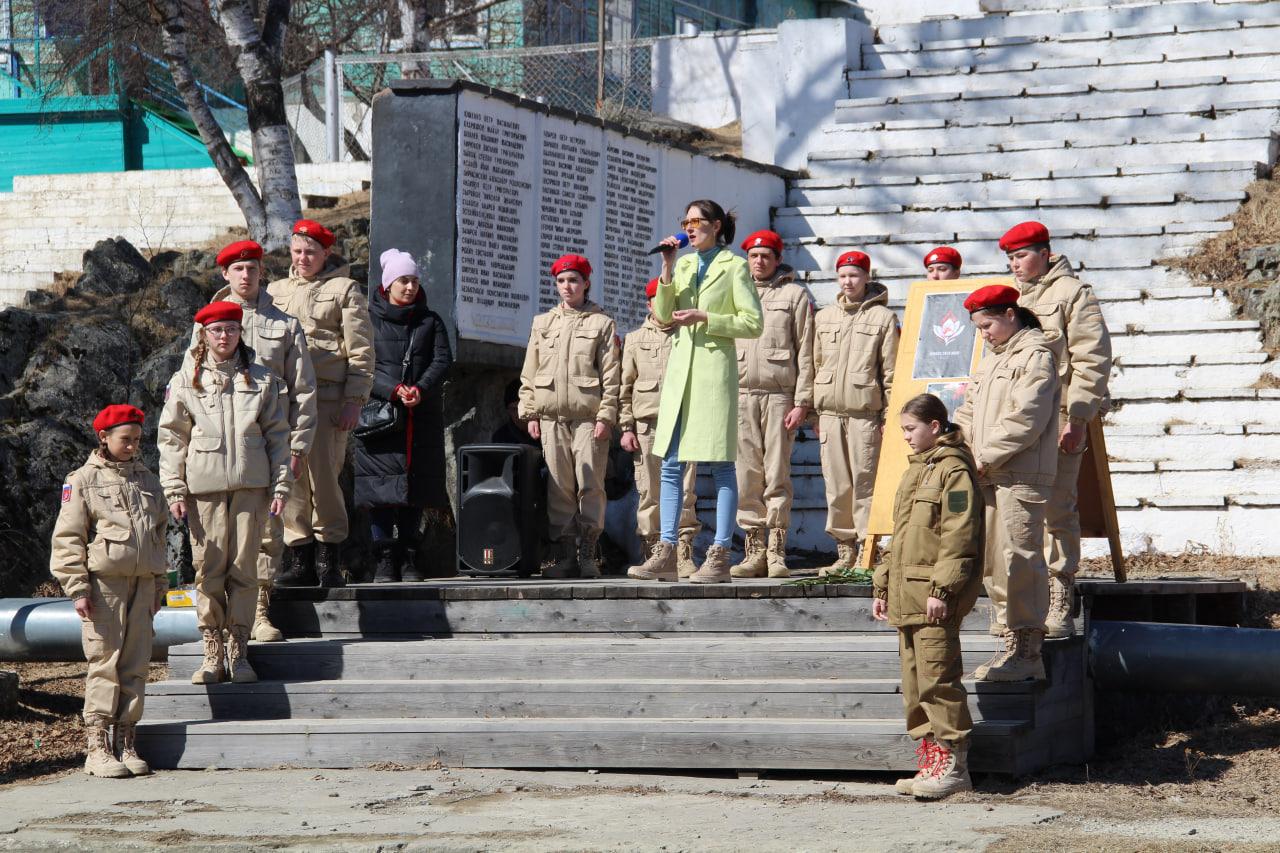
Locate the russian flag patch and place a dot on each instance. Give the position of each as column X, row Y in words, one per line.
column 66, row 492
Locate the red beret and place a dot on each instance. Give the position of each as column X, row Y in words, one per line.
column 576, row 263
column 854, row 259
column 1022, row 235
column 242, row 250
column 216, row 311
column 314, row 230
column 117, row 414
column 763, row 239
column 991, row 296
column 651, row 289
column 942, row 255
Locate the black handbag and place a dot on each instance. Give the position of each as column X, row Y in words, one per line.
column 381, row 417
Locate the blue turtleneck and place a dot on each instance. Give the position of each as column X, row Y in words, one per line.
column 704, row 261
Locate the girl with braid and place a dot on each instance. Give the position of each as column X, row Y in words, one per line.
column 224, row 465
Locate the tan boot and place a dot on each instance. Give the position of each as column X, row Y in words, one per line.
column 846, row 558
column 99, row 760
column 715, row 569
column 211, row 670
column 753, row 563
column 238, row 657
column 980, row 673
column 776, row 554
column 588, row 558
column 685, row 566
column 950, row 773
column 1059, row 625
column 1022, row 662
column 126, row 749
column 926, row 752
column 565, row 565
column 661, row 565
column 263, row 630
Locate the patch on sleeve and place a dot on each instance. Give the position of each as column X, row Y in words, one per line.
column 957, row 501
column 66, row 493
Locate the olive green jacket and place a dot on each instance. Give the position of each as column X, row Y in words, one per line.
column 937, row 537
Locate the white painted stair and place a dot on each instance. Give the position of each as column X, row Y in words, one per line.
column 48, row 221
column 1133, row 130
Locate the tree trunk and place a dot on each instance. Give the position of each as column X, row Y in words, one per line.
column 257, row 57
column 173, row 31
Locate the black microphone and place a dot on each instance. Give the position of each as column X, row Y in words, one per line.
column 682, row 240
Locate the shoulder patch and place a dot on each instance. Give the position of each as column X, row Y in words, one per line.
column 957, row 501
column 66, row 493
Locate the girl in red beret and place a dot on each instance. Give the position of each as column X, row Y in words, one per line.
column 224, row 465
column 108, row 554
column 1008, row 419
column 942, row 264
column 854, row 351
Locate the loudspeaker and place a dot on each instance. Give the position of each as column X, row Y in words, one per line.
column 499, row 508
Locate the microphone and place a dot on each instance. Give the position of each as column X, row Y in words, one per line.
column 682, row 240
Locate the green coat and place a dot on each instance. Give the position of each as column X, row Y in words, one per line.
column 702, row 371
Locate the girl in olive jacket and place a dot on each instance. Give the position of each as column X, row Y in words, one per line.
column 927, row 584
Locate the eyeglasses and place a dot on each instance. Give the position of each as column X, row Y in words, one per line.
column 222, row 331
column 694, row 222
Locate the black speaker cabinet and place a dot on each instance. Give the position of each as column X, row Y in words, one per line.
column 499, row 507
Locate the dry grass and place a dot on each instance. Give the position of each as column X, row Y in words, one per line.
column 1256, row 223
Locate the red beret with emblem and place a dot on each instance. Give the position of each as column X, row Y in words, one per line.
column 651, row 289
column 942, row 255
column 991, row 296
column 241, row 250
column 219, row 311
column 1022, row 235
column 314, row 230
column 763, row 239
column 117, row 414
column 574, row 263
column 854, row 259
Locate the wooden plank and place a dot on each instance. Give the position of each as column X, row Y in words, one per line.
column 832, row 699
column 669, row 743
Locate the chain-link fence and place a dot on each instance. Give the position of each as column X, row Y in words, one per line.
column 560, row 75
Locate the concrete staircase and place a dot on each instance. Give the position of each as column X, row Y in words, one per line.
column 1132, row 130
column 48, row 221
column 593, row 674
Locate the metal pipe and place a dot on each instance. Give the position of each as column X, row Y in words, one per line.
column 48, row 629
column 332, row 116
column 1161, row 658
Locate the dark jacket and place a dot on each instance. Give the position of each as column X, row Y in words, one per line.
column 406, row 466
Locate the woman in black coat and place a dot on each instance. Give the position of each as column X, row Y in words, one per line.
column 398, row 473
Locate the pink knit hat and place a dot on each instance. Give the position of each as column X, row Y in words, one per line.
column 396, row 263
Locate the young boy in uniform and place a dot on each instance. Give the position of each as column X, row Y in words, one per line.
column 1064, row 304
column 775, row 395
column 335, row 317
column 942, row 264
column 569, row 398
column 644, row 364
column 853, row 359
column 108, row 555
column 279, row 345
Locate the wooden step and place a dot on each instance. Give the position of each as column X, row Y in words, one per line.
column 794, row 698
column 678, row 742
column 828, row 657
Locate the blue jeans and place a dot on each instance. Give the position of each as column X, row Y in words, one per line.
column 671, row 495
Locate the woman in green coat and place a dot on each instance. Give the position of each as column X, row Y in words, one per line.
column 710, row 297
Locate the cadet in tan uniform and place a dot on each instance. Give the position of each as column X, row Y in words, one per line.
column 644, row 364
column 942, row 264
column 334, row 314
column 853, row 358
column 569, row 398
column 224, row 464
column 108, row 555
column 278, row 344
column 1007, row 419
column 775, row 396
column 1066, row 305
column 925, row 587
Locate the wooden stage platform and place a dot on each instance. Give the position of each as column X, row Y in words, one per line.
column 754, row 675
